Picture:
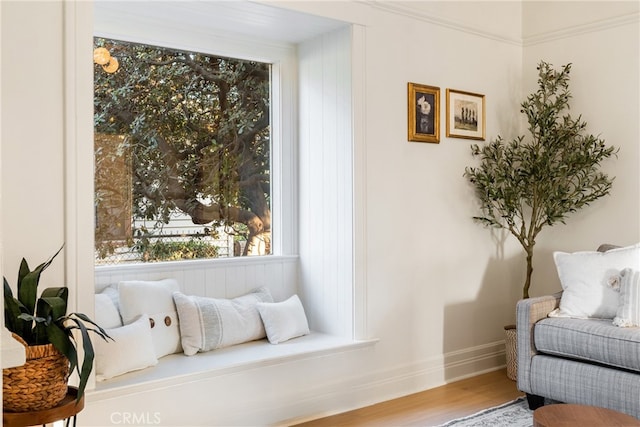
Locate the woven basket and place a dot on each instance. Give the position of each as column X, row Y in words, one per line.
column 41, row 383
column 511, row 351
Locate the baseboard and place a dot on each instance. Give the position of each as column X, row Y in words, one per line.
column 289, row 392
column 371, row 388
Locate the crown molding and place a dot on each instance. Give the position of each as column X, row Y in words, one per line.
column 446, row 23
column 576, row 30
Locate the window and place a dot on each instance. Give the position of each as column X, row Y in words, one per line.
column 313, row 144
column 182, row 154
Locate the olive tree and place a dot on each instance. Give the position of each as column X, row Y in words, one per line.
column 525, row 184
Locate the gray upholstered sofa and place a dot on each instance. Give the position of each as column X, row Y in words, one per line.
column 585, row 361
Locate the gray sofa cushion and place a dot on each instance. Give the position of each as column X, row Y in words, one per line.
column 571, row 381
column 593, row 340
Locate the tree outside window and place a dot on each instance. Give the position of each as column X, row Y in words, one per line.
column 182, row 154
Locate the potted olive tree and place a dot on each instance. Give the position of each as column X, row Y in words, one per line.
column 525, row 184
column 43, row 326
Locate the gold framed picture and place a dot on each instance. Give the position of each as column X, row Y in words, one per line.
column 424, row 113
column 465, row 115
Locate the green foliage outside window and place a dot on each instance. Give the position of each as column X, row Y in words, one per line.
column 189, row 133
column 173, row 251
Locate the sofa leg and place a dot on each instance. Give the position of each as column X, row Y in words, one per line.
column 535, row 401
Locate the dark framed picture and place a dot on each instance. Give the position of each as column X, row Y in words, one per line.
column 465, row 114
column 424, row 113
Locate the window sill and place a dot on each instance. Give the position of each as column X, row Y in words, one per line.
column 178, row 368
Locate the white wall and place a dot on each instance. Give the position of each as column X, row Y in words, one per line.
column 437, row 288
column 32, row 137
column 435, row 282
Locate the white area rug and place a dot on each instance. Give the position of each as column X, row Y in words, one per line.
column 511, row 414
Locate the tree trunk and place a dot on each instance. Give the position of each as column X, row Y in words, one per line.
column 527, row 283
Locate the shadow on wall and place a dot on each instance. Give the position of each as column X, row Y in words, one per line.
column 471, row 348
column 467, row 344
column 545, row 279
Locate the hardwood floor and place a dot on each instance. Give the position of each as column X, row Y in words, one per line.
column 430, row 407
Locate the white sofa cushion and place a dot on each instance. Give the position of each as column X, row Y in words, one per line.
column 587, row 292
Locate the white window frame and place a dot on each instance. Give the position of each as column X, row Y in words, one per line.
column 79, row 157
column 283, row 106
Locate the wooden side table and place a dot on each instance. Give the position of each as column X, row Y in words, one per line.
column 567, row 415
column 65, row 410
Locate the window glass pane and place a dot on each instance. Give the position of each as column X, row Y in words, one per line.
column 182, row 154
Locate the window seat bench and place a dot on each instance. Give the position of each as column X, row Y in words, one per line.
column 178, row 368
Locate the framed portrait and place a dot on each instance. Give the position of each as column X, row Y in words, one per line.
column 465, row 114
column 424, row 113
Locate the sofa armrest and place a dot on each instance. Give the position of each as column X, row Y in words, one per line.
column 528, row 312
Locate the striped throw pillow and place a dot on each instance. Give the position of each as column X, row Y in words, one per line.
column 628, row 314
column 210, row 323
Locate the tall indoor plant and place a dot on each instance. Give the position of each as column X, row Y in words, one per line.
column 43, row 321
column 526, row 184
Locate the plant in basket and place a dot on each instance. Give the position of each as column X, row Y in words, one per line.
column 526, row 184
column 47, row 331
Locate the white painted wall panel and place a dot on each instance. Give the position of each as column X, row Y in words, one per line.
column 216, row 279
column 326, row 181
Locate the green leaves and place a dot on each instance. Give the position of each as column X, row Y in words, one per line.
column 44, row 320
column 51, row 306
column 13, row 308
column 28, row 282
column 525, row 184
column 77, row 322
column 197, row 133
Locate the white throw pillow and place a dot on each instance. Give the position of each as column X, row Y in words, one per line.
column 112, row 292
column 628, row 314
column 106, row 313
column 283, row 320
column 130, row 350
column 210, row 323
column 155, row 298
column 585, row 281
